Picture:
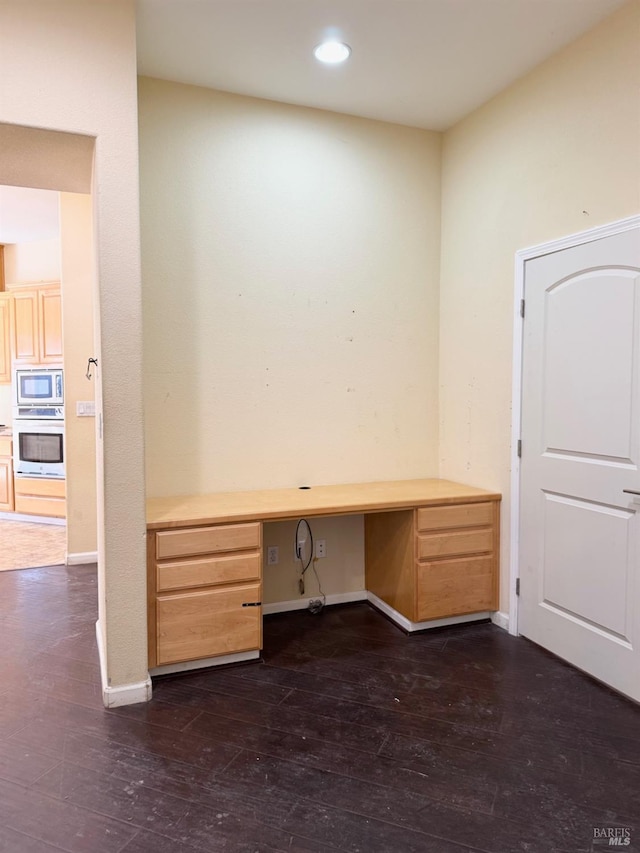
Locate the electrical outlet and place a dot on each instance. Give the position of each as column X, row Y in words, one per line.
column 273, row 556
column 321, row 548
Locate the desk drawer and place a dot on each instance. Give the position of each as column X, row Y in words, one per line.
column 460, row 515
column 208, row 623
column 454, row 544
column 207, row 540
column 208, row 571
column 455, row 587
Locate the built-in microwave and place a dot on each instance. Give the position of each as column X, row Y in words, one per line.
column 38, row 448
column 38, row 386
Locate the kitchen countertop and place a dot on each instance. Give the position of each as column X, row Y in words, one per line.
column 6, row 431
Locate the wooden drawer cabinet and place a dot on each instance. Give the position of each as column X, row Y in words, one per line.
column 454, row 543
column 41, row 496
column 184, row 574
column 218, row 621
column 204, row 592
column 454, row 587
column 460, row 515
column 206, row 540
column 435, row 561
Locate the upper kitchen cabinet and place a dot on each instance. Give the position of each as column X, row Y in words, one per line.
column 50, row 325
column 36, row 324
column 5, row 343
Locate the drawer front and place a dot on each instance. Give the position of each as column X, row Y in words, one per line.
column 461, row 515
column 454, row 544
column 40, row 487
column 208, row 571
column 454, row 587
column 208, row 623
column 207, row 540
column 30, row 505
column 6, row 444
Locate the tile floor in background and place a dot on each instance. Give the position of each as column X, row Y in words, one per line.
column 26, row 545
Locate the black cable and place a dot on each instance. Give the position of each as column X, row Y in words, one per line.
column 318, row 606
column 309, row 561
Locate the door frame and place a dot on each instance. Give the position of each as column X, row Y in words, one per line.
column 521, row 258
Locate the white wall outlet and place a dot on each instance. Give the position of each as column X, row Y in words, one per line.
column 273, row 555
column 321, row 548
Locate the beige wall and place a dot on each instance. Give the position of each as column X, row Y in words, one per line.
column 32, row 262
column 340, row 572
column 554, row 154
column 290, row 275
column 71, row 66
column 77, row 273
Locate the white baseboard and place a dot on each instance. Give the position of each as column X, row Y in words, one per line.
column 220, row 660
column 303, row 603
column 500, row 619
column 410, row 626
column 82, row 557
column 125, row 694
column 32, row 519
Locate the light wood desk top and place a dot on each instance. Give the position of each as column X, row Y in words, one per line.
column 281, row 504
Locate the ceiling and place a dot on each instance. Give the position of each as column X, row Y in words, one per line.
column 425, row 63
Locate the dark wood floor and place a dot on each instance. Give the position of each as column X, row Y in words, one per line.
column 350, row 736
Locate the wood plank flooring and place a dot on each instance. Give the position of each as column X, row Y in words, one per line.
column 349, row 736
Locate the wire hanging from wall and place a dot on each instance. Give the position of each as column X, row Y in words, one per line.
column 304, row 549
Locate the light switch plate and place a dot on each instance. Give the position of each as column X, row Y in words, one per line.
column 85, row 408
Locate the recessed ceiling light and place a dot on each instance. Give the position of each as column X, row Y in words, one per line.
column 332, row 52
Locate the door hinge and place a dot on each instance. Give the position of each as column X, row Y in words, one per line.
column 252, row 604
column 517, row 586
column 522, row 308
column 519, row 448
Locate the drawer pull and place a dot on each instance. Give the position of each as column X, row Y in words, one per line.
column 252, row 604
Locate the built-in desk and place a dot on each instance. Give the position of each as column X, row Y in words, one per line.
column 431, row 553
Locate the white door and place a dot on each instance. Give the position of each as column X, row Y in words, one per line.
column 580, row 526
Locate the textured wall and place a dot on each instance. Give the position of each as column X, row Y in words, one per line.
column 556, row 153
column 32, row 262
column 71, row 66
column 290, row 268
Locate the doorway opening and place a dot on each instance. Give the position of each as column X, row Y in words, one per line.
column 48, row 512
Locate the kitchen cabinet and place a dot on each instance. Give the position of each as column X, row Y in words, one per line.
column 36, row 324
column 435, row 562
column 40, row 496
column 6, row 475
column 205, row 592
column 5, row 338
